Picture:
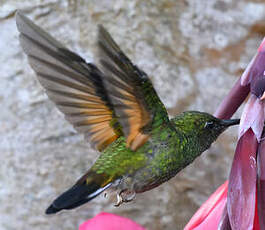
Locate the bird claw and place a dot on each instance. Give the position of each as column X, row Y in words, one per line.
column 119, row 200
column 124, row 196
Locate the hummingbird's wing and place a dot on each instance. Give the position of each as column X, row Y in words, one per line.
column 135, row 101
column 75, row 86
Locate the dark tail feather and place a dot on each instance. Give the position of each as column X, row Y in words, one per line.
column 79, row 194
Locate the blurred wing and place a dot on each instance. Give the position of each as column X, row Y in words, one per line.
column 75, row 86
column 135, row 101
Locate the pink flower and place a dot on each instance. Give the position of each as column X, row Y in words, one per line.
column 242, row 203
column 243, row 200
column 108, row 221
column 209, row 214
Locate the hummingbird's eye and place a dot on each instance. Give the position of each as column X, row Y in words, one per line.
column 209, row 125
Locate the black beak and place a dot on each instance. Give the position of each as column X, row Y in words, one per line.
column 230, row 122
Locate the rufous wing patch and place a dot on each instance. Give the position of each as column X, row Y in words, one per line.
column 75, row 86
column 124, row 87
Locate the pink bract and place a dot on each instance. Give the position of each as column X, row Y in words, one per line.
column 108, row 221
column 252, row 117
column 242, row 183
column 209, row 214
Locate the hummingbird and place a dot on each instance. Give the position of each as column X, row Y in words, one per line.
column 116, row 107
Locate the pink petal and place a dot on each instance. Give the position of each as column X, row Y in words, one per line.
column 242, row 184
column 210, row 212
column 213, row 219
column 232, row 101
column 108, row 221
column 261, row 184
column 252, row 117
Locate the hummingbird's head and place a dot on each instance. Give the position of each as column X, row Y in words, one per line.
column 202, row 126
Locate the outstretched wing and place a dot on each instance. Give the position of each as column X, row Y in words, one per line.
column 136, row 104
column 75, row 86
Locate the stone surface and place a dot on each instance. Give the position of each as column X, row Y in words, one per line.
column 192, row 50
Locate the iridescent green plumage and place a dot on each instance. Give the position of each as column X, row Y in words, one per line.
column 169, row 149
column 120, row 113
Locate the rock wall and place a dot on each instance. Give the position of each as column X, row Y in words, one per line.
column 192, row 50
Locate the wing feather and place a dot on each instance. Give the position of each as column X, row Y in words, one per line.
column 129, row 89
column 103, row 106
column 75, row 86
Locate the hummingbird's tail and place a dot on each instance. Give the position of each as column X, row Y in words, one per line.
column 87, row 187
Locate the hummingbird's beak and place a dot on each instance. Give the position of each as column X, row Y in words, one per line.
column 230, row 122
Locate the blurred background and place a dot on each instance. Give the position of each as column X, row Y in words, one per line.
column 193, row 52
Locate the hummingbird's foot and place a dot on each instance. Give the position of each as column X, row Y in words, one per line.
column 119, row 200
column 124, row 196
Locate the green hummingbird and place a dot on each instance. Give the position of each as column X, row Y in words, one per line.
column 120, row 114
